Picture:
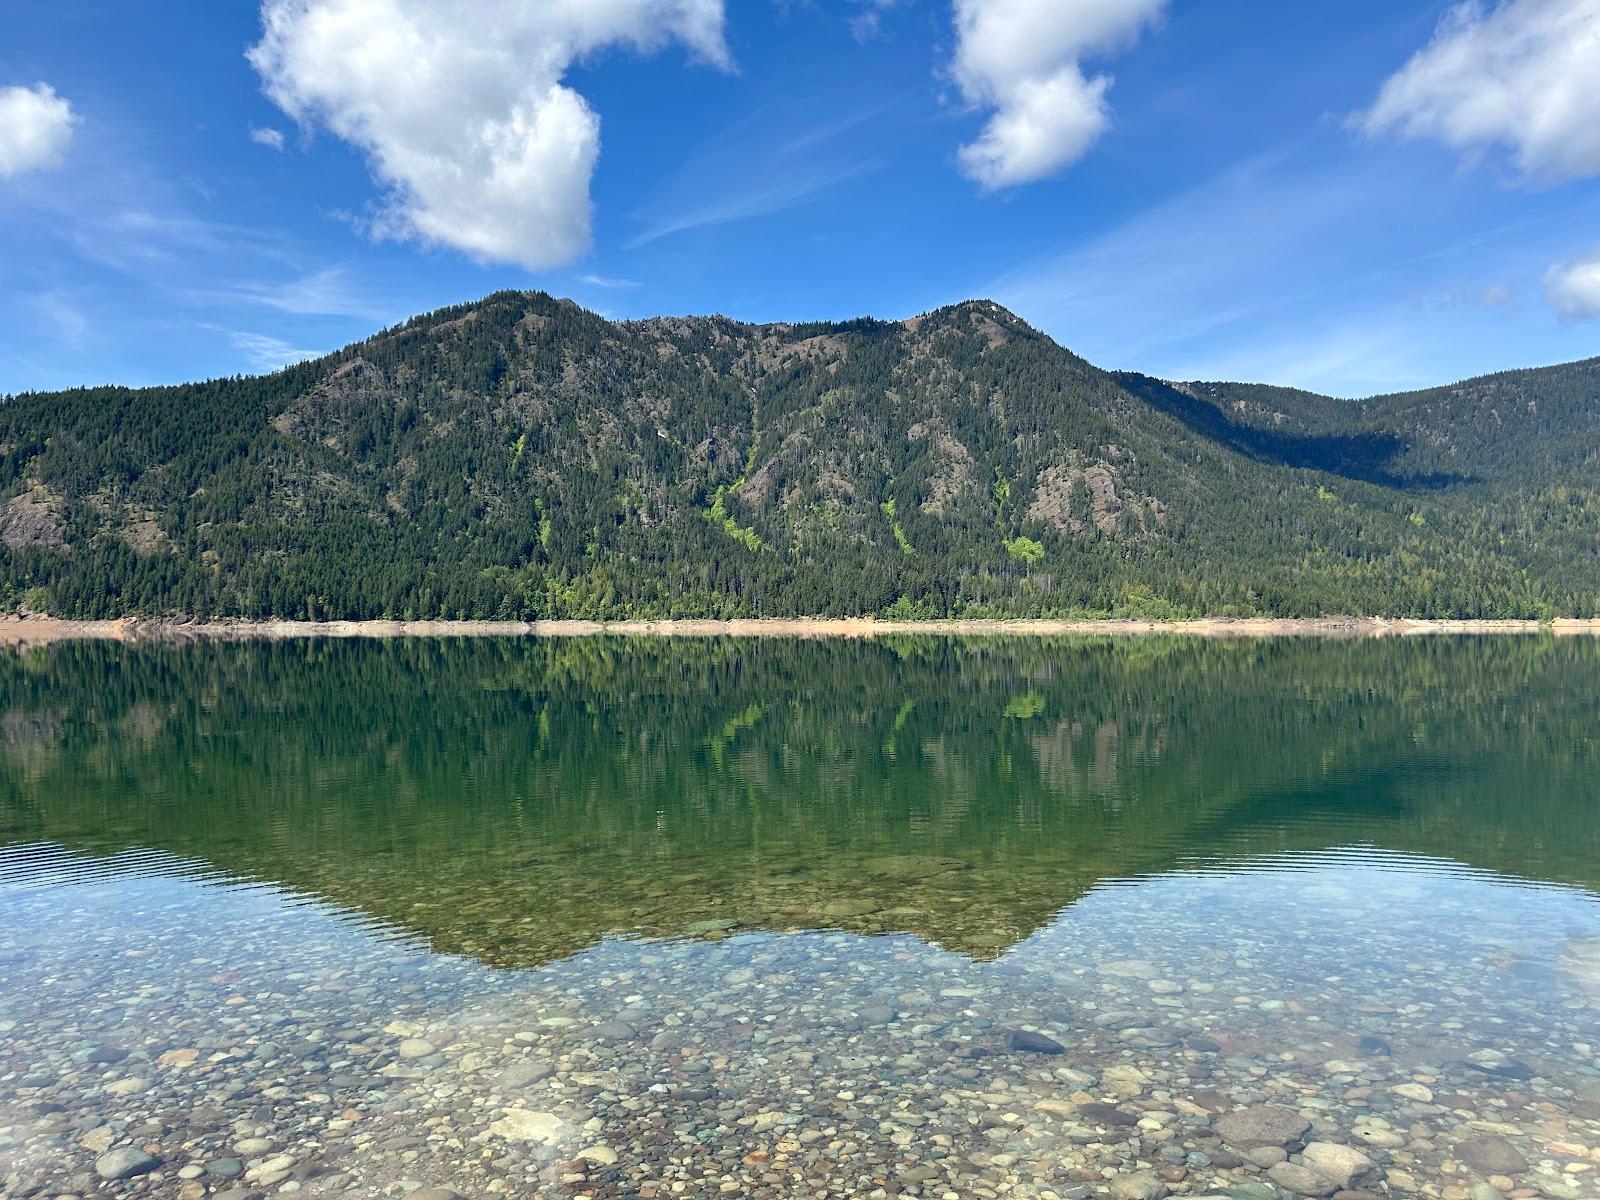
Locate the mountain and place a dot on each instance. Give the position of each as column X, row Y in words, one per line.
column 523, row 457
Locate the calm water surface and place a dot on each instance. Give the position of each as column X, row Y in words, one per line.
column 929, row 917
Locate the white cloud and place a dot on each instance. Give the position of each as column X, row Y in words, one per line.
column 60, row 314
column 1573, row 288
column 272, row 139
column 264, row 352
column 326, row 292
column 460, row 108
column 867, row 23
column 1024, row 60
column 1523, row 76
column 35, row 129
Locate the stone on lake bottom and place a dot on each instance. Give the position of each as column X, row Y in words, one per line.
column 124, row 1163
column 1492, row 1155
column 525, row 1125
column 525, row 1073
column 1264, row 1125
column 1301, row 1180
column 1140, row 1185
column 1098, row 1113
column 1344, row 1165
column 1035, row 1043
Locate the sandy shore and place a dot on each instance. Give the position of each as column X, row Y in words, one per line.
column 32, row 630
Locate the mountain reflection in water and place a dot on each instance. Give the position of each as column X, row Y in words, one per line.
column 519, row 800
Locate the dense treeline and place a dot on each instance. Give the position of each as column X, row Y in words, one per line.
column 521, row 458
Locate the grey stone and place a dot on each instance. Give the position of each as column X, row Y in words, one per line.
column 696, row 927
column 1301, row 1180
column 225, row 1168
column 1492, row 1155
column 1099, row 1113
column 523, row 1074
column 1346, row 1166
column 124, row 1163
column 1030, row 1042
column 1265, row 1125
column 1141, row 1185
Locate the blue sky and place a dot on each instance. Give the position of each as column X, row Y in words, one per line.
column 1353, row 198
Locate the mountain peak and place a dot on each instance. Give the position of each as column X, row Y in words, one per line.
column 967, row 311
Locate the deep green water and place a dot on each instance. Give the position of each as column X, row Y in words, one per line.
column 1312, row 842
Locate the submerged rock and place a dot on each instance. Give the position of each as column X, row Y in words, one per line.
column 1141, row 1185
column 1492, row 1155
column 1264, row 1125
column 526, row 1125
column 124, row 1163
column 1344, row 1165
column 1301, row 1180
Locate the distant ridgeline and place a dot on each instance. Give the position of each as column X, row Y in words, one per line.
column 521, row 457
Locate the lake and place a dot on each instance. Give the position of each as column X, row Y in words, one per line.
column 920, row 916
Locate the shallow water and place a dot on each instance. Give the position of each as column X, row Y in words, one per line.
column 925, row 916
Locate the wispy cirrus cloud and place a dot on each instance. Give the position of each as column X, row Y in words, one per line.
column 755, row 168
column 866, row 22
column 1300, row 267
column 61, row 316
column 327, row 292
column 608, row 281
column 263, row 351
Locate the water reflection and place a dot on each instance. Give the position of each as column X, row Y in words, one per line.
column 519, row 800
column 928, row 917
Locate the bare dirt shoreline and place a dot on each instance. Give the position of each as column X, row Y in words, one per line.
column 32, row 630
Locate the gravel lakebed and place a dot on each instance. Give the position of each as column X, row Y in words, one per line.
column 1332, row 1028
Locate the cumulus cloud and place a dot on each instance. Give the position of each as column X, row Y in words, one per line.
column 1024, row 60
column 460, row 107
column 1573, row 288
column 1523, row 76
column 35, row 129
column 272, row 139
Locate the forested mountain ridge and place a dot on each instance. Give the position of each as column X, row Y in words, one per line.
column 522, row 457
